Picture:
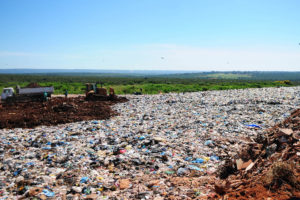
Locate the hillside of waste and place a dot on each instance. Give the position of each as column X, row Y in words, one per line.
column 202, row 145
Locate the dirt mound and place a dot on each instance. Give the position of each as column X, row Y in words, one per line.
column 33, row 85
column 56, row 111
column 268, row 167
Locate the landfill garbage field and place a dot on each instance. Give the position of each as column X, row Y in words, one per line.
column 230, row 144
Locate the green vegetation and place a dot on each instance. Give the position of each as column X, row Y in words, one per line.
column 227, row 76
column 242, row 75
column 128, row 84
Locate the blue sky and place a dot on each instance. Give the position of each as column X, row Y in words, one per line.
column 150, row 34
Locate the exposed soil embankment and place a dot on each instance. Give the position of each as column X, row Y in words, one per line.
column 268, row 167
column 57, row 110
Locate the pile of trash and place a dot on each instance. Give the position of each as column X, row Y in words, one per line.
column 57, row 110
column 268, row 166
column 166, row 146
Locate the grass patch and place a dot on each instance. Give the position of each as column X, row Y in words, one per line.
column 228, row 76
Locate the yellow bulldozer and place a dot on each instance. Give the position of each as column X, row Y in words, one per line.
column 94, row 93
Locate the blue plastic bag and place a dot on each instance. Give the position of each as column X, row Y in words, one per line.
column 198, row 160
column 253, row 125
column 84, row 179
column 48, row 193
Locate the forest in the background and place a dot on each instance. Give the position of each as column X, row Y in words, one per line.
column 128, row 83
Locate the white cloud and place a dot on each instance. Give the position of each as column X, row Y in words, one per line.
column 164, row 57
column 176, row 57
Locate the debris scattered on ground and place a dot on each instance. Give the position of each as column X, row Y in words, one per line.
column 270, row 166
column 165, row 146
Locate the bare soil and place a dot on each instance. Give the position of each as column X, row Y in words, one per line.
column 57, row 110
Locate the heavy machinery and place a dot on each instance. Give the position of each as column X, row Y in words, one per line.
column 32, row 92
column 93, row 93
